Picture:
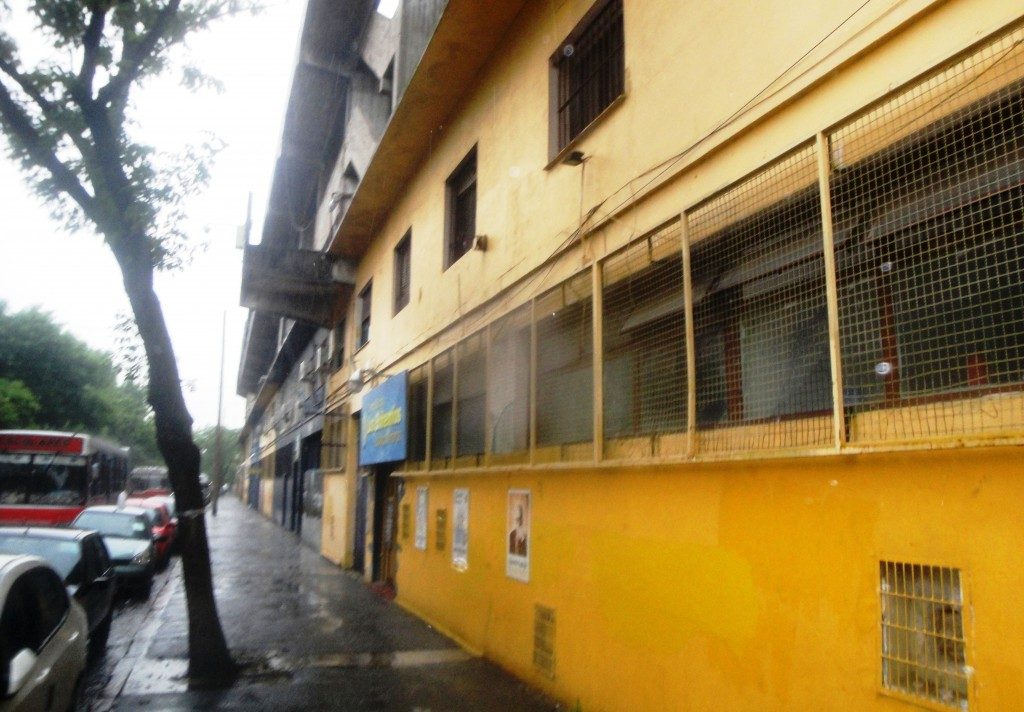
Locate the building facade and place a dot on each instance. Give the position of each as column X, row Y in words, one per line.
column 674, row 352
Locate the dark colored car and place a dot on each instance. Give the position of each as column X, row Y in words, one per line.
column 127, row 532
column 81, row 559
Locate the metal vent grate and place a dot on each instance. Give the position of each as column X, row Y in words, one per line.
column 544, row 639
column 923, row 648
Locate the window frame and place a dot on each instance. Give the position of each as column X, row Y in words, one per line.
column 402, row 272
column 365, row 306
column 460, row 186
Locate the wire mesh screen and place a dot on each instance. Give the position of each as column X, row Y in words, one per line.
column 764, row 378
column 644, row 344
column 418, row 414
column 441, row 410
column 565, row 373
column 924, row 652
column 929, row 212
column 470, row 389
column 508, row 384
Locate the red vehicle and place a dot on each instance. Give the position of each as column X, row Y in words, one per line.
column 165, row 530
column 47, row 478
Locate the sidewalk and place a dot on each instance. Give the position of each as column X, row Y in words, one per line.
column 312, row 637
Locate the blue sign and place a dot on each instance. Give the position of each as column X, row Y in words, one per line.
column 383, row 426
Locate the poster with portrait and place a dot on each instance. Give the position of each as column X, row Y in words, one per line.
column 517, row 553
column 421, row 518
column 460, row 529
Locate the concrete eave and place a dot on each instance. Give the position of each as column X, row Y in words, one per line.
column 466, row 37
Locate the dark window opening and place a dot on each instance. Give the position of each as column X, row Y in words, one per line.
column 364, row 313
column 461, row 209
column 403, row 271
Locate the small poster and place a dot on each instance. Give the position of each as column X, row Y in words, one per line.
column 517, row 561
column 460, row 533
column 421, row 518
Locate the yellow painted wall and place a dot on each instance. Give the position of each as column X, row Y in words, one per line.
column 336, row 542
column 730, row 586
column 267, row 497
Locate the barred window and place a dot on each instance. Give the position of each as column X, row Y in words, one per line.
column 645, row 338
column 334, row 442
column 403, row 271
column 365, row 299
column 460, row 220
column 928, row 196
column 470, row 383
column 760, row 314
column 588, row 71
column 565, row 373
column 337, row 341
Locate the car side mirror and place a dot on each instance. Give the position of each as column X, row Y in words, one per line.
column 19, row 670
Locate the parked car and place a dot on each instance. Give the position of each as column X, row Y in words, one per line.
column 43, row 634
column 206, row 485
column 165, row 530
column 149, row 482
column 81, row 559
column 128, row 534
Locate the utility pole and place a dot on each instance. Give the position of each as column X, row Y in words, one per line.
column 218, row 462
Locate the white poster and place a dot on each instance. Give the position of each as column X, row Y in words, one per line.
column 421, row 518
column 517, row 561
column 460, row 536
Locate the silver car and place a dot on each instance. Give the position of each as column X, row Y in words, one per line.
column 43, row 638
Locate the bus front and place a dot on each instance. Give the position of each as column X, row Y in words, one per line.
column 43, row 477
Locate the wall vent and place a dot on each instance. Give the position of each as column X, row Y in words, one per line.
column 544, row 639
column 924, row 652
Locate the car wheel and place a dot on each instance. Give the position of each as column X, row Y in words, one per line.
column 145, row 589
column 98, row 640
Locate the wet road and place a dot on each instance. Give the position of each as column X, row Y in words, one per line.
column 309, row 635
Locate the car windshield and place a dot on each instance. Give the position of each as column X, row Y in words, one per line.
column 61, row 553
column 123, row 524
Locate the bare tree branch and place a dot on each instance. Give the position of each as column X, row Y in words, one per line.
column 135, row 54
column 90, row 46
column 21, row 127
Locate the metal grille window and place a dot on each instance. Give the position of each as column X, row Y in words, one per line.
column 418, row 414
column 588, row 70
column 470, row 380
column 460, row 228
column 365, row 299
column 403, row 271
column 334, row 444
column 924, row 652
column 508, row 383
column 441, row 409
column 928, row 196
column 338, row 346
column 760, row 314
column 644, row 335
column 565, row 373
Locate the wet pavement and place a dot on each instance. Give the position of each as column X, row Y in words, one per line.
column 309, row 635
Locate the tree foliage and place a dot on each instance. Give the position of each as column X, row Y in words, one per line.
column 69, row 385
column 230, row 450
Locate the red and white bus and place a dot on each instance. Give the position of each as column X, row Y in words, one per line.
column 47, row 478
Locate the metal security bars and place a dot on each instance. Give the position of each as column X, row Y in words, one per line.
column 866, row 290
column 760, row 314
column 928, row 202
column 644, row 348
column 924, row 652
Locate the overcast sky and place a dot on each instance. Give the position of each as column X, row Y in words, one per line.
column 74, row 276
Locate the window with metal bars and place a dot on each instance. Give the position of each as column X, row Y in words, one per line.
column 928, row 192
column 644, row 333
column 460, row 220
column 565, row 368
column 588, row 71
column 760, row 315
column 924, row 651
column 403, row 271
column 470, row 390
column 334, row 443
column 338, row 346
column 365, row 300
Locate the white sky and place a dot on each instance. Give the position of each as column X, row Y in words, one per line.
column 74, row 276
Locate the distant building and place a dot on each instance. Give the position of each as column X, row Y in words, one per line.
column 670, row 354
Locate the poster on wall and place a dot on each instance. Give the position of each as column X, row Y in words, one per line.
column 517, row 559
column 421, row 518
column 460, row 530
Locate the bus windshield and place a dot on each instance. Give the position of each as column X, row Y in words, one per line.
column 43, row 479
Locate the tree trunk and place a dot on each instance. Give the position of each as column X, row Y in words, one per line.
column 210, row 661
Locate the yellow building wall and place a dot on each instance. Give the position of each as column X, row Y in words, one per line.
column 730, row 586
column 336, row 541
column 267, row 497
